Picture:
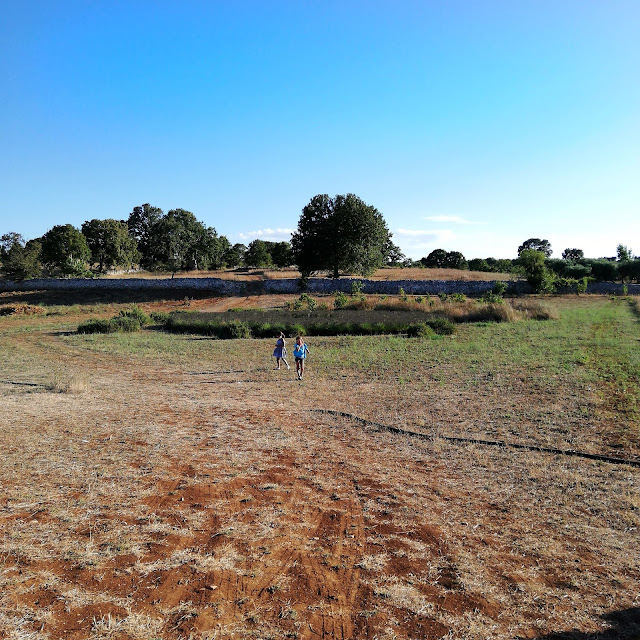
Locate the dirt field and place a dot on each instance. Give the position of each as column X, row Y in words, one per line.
column 180, row 488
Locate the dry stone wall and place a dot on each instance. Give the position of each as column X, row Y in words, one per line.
column 217, row 286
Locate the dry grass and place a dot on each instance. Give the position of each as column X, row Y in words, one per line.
column 468, row 310
column 388, row 273
column 188, row 492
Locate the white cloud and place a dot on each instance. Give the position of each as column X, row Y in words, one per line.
column 273, row 235
column 417, row 243
column 454, row 219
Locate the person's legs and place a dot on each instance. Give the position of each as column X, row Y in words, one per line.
column 301, row 368
column 277, row 363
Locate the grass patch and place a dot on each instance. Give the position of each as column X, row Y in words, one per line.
column 127, row 321
column 266, row 324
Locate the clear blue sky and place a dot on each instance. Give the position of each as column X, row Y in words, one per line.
column 471, row 125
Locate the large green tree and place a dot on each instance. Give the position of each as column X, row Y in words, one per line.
column 180, row 242
column 110, row 243
column 140, row 224
column 65, row 249
column 536, row 244
column 20, row 261
column 533, row 265
column 234, row 255
column 572, row 254
column 258, row 254
column 340, row 235
column 281, row 254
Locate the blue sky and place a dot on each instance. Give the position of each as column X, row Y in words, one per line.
column 470, row 125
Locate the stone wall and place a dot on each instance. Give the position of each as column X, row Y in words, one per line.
column 217, row 286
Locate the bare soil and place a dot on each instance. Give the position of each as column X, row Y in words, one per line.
column 208, row 498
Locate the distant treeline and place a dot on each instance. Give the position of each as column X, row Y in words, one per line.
column 334, row 235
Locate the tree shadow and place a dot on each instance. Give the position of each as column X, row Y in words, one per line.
column 623, row 625
column 105, row 296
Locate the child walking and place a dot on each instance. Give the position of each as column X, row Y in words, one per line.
column 300, row 352
column 280, row 352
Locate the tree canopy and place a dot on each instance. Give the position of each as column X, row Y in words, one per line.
column 572, row 254
column 140, row 223
column 66, row 249
column 340, row 235
column 441, row 259
column 110, row 243
column 536, row 244
column 20, row 261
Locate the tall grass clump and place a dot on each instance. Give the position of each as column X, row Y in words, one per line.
column 127, row 321
column 535, row 310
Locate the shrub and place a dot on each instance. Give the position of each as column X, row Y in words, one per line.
column 235, row 329
column 137, row 314
column 581, row 287
column 159, row 317
column 499, row 288
column 441, row 325
column 95, row 326
column 488, row 297
column 119, row 324
column 341, row 300
column 420, row 330
column 357, row 287
column 125, row 324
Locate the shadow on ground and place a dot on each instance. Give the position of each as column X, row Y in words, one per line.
column 623, row 625
column 106, row 296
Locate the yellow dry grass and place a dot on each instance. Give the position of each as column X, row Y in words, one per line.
column 192, row 493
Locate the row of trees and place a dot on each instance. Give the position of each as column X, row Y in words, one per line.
column 339, row 235
column 534, row 256
column 149, row 238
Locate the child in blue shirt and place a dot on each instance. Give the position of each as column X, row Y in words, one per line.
column 300, row 352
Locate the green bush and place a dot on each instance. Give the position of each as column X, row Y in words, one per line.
column 125, row 324
column 420, row 330
column 442, row 326
column 119, row 324
column 490, row 297
column 137, row 314
column 95, row 326
column 235, row 329
column 499, row 288
column 340, row 300
column 159, row 317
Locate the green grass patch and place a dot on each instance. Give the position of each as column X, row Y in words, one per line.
column 266, row 324
column 127, row 321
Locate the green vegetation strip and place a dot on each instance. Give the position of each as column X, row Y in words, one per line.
column 490, row 443
column 264, row 324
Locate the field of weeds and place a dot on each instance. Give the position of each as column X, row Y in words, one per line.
column 162, row 486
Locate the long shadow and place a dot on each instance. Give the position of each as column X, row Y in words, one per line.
column 624, row 625
column 22, row 384
column 125, row 296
